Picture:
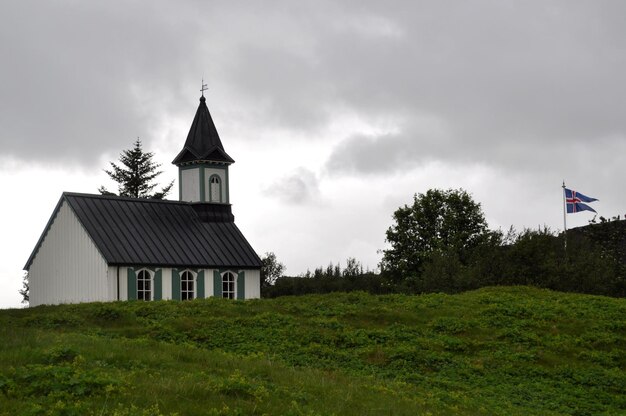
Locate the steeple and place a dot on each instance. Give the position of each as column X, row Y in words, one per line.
column 203, row 163
column 203, row 142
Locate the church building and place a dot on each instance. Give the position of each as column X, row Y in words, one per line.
column 107, row 248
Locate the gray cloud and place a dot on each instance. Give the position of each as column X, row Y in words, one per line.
column 505, row 78
column 89, row 78
column 299, row 187
column 361, row 154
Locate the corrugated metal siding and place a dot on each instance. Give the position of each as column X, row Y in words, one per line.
column 112, row 282
column 167, row 283
column 67, row 266
column 208, row 283
column 160, row 233
column 123, row 283
column 253, row 284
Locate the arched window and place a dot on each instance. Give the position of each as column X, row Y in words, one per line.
column 144, row 285
column 228, row 285
column 215, row 189
column 187, row 285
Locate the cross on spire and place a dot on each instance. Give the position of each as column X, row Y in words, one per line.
column 204, row 87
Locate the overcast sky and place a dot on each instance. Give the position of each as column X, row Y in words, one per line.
column 336, row 112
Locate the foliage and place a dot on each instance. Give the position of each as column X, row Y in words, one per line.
column 441, row 244
column 437, row 222
column 331, row 278
column 594, row 263
column 497, row 351
column 25, row 290
column 271, row 270
column 538, row 257
column 609, row 235
column 135, row 175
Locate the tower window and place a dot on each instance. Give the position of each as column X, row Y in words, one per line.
column 144, row 285
column 187, row 286
column 215, row 189
column 228, row 285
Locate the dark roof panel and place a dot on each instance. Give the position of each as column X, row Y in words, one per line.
column 203, row 142
column 166, row 233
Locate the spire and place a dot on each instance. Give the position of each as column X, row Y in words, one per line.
column 203, row 143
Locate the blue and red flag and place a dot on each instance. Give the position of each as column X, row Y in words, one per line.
column 574, row 201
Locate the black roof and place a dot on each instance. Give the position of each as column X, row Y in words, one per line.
column 132, row 231
column 203, row 143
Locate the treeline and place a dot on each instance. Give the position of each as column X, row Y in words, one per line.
column 441, row 244
column 332, row 278
column 592, row 263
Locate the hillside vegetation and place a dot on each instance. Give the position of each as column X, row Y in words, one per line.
column 503, row 351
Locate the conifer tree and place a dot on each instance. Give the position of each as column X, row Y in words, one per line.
column 25, row 290
column 135, row 175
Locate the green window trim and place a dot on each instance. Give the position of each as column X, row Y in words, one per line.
column 241, row 285
column 201, row 182
column 187, row 284
column 240, row 282
column 175, row 284
column 131, row 287
column 156, row 277
column 158, row 284
column 217, row 284
column 200, row 292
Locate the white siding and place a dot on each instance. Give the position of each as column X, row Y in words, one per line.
column 208, row 283
column 208, row 172
column 68, row 268
column 166, row 280
column 253, row 284
column 190, row 179
column 112, row 282
column 123, row 283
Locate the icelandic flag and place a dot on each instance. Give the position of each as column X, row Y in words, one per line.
column 574, row 201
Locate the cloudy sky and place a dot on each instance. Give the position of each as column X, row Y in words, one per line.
column 336, row 112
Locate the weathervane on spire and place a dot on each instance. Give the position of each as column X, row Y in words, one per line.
column 204, row 87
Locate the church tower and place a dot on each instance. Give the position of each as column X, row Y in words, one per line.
column 203, row 162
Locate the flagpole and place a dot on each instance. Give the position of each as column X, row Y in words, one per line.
column 564, row 216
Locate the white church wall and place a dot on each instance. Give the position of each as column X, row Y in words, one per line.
column 208, row 283
column 123, row 283
column 253, row 284
column 166, row 276
column 112, row 282
column 190, row 185
column 67, row 268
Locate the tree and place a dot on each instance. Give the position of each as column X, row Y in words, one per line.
column 354, row 268
column 441, row 222
column 135, row 175
column 25, row 290
column 271, row 269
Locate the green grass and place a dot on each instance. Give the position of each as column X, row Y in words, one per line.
column 495, row 351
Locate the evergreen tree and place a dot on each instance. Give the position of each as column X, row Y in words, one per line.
column 135, row 175
column 25, row 290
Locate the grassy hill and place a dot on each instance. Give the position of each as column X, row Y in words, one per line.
column 507, row 351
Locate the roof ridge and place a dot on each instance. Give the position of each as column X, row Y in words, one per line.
column 121, row 198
